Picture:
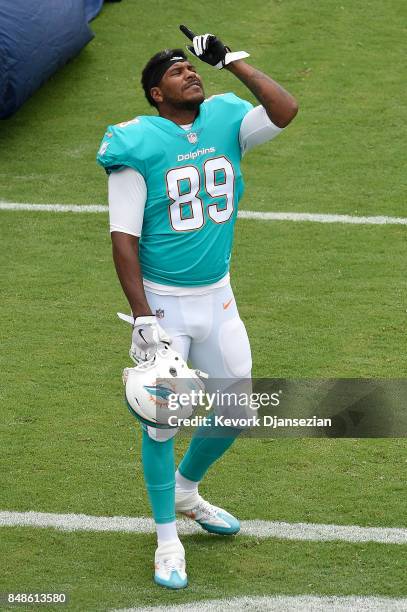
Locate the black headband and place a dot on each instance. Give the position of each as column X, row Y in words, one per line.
column 162, row 68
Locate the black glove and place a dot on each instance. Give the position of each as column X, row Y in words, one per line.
column 210, row 49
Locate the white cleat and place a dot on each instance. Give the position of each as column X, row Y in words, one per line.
column 211, row 518
column 170, row 565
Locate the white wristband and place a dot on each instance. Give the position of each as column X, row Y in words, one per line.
column 232, row 56
column 146, row 319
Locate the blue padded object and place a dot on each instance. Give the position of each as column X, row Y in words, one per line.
column 36, row 38
column 92, row 8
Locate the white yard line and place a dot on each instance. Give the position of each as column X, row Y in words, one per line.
column 243, row 214
column 75, row 208
column 285, row 603
column 258, row 529
column 316, row 218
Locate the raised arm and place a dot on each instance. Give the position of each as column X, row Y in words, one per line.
column 280, row 106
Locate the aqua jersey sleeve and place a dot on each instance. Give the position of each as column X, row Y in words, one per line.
column 123, row 146
column 240, row 107
column 230, row 111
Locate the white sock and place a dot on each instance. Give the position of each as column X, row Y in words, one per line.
column 166, row 532
column 184, row 483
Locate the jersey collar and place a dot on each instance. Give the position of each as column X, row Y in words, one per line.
column 173, row 128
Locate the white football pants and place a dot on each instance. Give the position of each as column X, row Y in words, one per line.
column 208, row 332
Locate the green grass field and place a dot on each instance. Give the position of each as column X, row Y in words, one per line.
column 318, row 300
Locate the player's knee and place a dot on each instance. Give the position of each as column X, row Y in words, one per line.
column 235, row 404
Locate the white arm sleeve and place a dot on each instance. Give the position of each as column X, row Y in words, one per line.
column 256, row 128
column 127, row 198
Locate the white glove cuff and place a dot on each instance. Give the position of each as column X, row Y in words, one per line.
column 232, row 56
column 145, row 320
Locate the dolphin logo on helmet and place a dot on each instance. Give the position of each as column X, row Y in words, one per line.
column 150, row 384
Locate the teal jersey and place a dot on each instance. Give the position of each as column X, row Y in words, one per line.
column 194, row 184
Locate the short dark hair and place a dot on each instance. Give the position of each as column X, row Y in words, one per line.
column 153, row 70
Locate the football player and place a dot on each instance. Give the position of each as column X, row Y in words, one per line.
column 174, row 187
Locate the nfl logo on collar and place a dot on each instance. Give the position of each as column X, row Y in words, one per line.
column 192, row 137
column 159, row 313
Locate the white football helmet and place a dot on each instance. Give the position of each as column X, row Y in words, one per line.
column 153, row 387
